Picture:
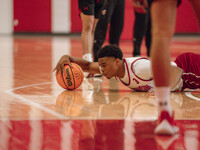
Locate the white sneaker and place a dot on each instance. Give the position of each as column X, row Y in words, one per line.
column 87, row 57
column 166, row 124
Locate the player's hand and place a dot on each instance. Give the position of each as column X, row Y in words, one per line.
column 139, row 5
column 64, row 60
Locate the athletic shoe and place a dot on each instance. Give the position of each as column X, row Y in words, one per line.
column 166, row 124
column 87, row 57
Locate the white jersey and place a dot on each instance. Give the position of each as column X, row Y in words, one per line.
column 138, row 75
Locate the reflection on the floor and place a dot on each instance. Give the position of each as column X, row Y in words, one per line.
column 110, row 105
column 36, row 113
column 95, row 135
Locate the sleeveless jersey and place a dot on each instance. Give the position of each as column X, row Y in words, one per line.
column 133, row 80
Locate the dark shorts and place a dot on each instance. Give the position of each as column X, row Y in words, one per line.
column 178, row 2
column 92, row 7
column 190, row 63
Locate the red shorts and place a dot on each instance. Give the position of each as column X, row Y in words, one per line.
column 190, row 63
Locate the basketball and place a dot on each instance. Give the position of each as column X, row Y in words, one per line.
column 71, row 78
column 69, row 103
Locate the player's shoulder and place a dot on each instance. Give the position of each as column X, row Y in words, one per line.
column 131, row 59
column 136, row 59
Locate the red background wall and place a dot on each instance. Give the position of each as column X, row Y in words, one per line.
column 186, row 21
column 35, row 16
column 32, row 16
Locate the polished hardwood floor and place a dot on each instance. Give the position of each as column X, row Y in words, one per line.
column 37, row 114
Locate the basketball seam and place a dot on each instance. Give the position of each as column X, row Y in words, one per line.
column 72, row 75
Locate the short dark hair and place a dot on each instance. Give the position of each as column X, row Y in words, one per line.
column 111, row 50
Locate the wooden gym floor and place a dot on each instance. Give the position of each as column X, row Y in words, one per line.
column 37, row 114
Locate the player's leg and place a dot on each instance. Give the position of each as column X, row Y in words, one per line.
column 90, row 11
column 148, row 34
column 163, row 13
column 139, row 32
column 87, row 17
column 87, row 35
column 96, row 20
column 117, row 22
column 101, row 30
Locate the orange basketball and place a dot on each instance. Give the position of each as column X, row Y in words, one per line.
column 71, row 78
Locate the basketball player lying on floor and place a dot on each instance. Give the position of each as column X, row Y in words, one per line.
column 135, row 72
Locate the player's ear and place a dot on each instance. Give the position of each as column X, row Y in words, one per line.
column 117, row 60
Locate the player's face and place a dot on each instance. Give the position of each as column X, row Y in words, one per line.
column 108, row 66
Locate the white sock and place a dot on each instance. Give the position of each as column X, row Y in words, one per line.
column 163, row 99
column 87, row 57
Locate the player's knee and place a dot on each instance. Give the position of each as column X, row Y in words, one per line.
column 163, row 33
column 88, row 27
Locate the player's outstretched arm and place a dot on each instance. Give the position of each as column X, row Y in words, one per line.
column 87, row 66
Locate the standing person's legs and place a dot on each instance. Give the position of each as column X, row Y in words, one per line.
column 101, row 29
column 163, row 14
column 139, row 31
column 148, row 33
column 88, row 25
column 117, row 22
column 90, row 11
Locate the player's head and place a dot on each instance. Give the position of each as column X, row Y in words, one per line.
column 111, row 50
column 109, row 58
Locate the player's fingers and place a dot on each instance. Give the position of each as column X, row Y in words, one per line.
column 56, row 68
column 62, row 67
column 59, row 69
column 66, row 63
column 58, row 72
column 69, row 63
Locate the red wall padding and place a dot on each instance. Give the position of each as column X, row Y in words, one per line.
column 186, row 21
column 33, row 16
column 76, row 24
